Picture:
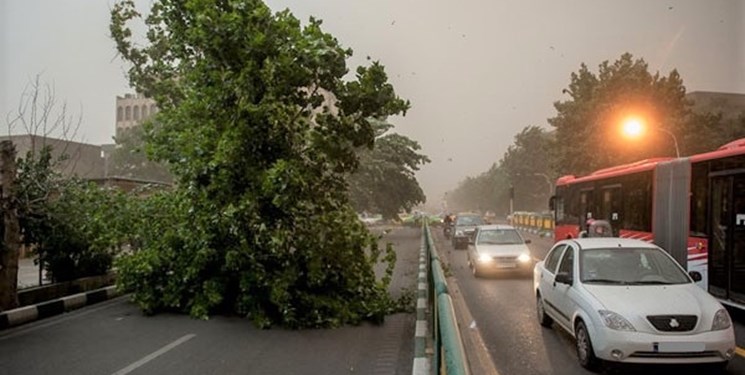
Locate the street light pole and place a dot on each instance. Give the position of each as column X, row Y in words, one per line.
column 548, row 181
column 675, row 140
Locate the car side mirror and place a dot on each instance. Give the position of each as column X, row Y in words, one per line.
column 695, row 275
column 563, row 278
column 528, row 241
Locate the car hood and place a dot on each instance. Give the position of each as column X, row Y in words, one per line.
column 466, row 227
column 501, row 250
column 636, row 302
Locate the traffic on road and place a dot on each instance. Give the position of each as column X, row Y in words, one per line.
column 505, row 315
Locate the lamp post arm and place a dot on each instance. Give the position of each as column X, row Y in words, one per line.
column 548, row 181
column 675, row 140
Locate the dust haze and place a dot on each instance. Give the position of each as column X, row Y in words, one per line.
column 476, row 72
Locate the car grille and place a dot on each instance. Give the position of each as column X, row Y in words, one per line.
column 710, row 353
column 673, row 323
column 505, row 259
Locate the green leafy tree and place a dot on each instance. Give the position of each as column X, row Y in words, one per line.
column 260, row 125
column 588, row 125
column 528, row 165
column 129, row 158
column 385, row 181
column 83, row 230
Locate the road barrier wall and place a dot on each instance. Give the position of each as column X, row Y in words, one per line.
column 533, row 222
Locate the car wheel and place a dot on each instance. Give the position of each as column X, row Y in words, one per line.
column 543, row 318
column 585, row 352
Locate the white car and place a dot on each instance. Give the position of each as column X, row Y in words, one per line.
column 629, row 301
column 499, row 248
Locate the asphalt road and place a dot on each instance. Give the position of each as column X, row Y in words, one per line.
column 115, row 338
column 503, row 310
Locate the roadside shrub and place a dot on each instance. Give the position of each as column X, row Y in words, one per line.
column 82, row 230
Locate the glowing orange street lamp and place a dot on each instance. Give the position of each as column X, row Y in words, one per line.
column 634, row 128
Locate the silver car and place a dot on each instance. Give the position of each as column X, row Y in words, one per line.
column 499, row 248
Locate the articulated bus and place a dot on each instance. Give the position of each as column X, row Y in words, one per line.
column 693, row 207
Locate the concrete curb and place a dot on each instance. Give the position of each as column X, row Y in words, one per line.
column 26, row 314
column 421, row 361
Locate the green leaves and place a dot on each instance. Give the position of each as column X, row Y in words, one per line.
column 588, row 125
column 260, row 130
column 385, row 181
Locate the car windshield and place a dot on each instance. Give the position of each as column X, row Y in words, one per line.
column 499, row 237
column 469, row 220
column 626, row 266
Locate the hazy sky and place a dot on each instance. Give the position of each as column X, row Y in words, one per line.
column 476, row 71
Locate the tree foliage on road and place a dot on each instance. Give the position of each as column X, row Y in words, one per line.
column 385, row 181
column 260, row 125
column 588, row 125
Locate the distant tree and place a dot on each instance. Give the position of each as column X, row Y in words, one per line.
column 262, row 224
column 471, row 194
column 129, row 158
column 588, row 125
column 708, row 129
column 385, row 181
column 528, row 165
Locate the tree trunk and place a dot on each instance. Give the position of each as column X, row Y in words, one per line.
column 11, row 232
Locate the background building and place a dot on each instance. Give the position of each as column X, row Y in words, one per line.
column 730, row 105
column 132, row 110
column 77, row 159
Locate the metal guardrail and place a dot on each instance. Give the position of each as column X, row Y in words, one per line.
column 449, row 354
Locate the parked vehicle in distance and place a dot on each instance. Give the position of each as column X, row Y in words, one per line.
column 499, row 248
column 464, row 229
column 629, row 301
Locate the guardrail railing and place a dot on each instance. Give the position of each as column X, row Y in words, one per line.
column 449, row 354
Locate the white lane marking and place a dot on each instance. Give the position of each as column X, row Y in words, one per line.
column 422, row 286
column 72, row 315
column 154, row 355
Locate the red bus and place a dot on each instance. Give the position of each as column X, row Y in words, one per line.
column 694, row 207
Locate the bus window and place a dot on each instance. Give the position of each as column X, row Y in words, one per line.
column 559, row 207
column 699, row 199
column 637, row 202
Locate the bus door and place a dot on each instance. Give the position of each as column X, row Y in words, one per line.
column 727, row 238
column 610, row 208
column 586, row 207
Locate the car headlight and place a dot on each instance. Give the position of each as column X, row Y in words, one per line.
column 615, row 321
column 459, row 233
column 483, row 258
column 721, row 320
column 523, row 258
